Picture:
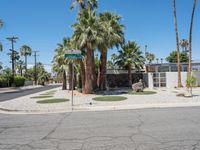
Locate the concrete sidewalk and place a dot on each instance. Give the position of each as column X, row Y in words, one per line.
column 164, row 98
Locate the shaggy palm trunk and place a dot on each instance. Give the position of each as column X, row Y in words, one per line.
column 130, row 76
column 103, row 68
column 89, row 71
column 177, row 44
column 64, row 86
column 82, row 76
column 94, row 74
column 190, row 42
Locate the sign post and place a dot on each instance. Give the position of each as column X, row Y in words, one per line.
column 73, row 54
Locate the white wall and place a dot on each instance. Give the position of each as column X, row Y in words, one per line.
column 197, row 75
column 150, row 79
column 172, row 79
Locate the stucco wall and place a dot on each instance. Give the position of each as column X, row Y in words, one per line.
column 197, row 75
column 172, row 79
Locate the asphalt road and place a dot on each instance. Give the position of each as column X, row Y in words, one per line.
column 11, row 95
column 147, row 129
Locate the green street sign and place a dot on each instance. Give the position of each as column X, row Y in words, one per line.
column 73, row 56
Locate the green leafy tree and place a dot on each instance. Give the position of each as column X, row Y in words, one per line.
column 130, row 58
column 172, row 58
column 25, row 51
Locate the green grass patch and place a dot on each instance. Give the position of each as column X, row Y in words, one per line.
column 42, row 96
column 110, row 98
column 143, row 93
column 50, row 101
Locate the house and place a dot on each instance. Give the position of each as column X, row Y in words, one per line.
column 166, row 74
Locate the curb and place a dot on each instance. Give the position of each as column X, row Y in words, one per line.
column 100, row 108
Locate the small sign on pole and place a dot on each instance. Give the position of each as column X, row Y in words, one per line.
column 73, row 54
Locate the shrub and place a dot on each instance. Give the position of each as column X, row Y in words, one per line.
column 19, row 81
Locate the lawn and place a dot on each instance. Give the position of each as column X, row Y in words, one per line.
column 110, row 98
column 42, row 96
column 143, row 93
column 50, row 101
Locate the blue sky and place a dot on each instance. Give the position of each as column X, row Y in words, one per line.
column 42, row 24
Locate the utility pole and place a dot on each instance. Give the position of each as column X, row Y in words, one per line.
column 35, row 69
column 12, row 40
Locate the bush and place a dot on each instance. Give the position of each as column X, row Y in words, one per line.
column 19, row 81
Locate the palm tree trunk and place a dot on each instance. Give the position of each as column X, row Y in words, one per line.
column 25, row 63
column 130, row 75
column 190, row 42
column 177, row 44
column 94, row 74
column 64, row 86
column 89, row 71
column 103, row 68
column 82, row 76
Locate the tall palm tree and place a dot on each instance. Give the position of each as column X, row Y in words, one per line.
column 1, row 25
column 87, row 35
column 190, row 40
column 84, row 4
column 20, row 66
column 25, row 51
column 177, row 44
column 113, row 35
column 130, row 58
column 184, row 44
column 60, row 63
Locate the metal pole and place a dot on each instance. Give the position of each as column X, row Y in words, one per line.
column 72, row 83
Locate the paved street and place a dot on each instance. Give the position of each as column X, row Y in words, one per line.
column 148, row 129
column 12, row 95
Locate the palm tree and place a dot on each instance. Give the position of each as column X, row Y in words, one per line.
column 25, row 51
column 1, row 25
column 130, row 58
column 190, row 40
column 84, row 4
column 20, row 66
column 177, row 44
column 87, row 35
column 184, row 44
column 113, row 35
column 59, row 62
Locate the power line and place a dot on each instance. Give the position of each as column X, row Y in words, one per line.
column 12, row 40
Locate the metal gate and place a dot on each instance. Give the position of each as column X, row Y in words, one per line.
column 159, row 80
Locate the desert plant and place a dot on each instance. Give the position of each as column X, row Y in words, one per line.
column 190, row 83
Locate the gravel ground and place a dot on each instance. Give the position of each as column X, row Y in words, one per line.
column 163, row 98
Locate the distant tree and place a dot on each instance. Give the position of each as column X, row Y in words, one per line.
column 25, row 51
column 184, row 44
column 172, row 58
column 130, row 57
column 150, row 57
column 20, row 66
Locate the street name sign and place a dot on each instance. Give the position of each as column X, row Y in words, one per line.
column 73, row 54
